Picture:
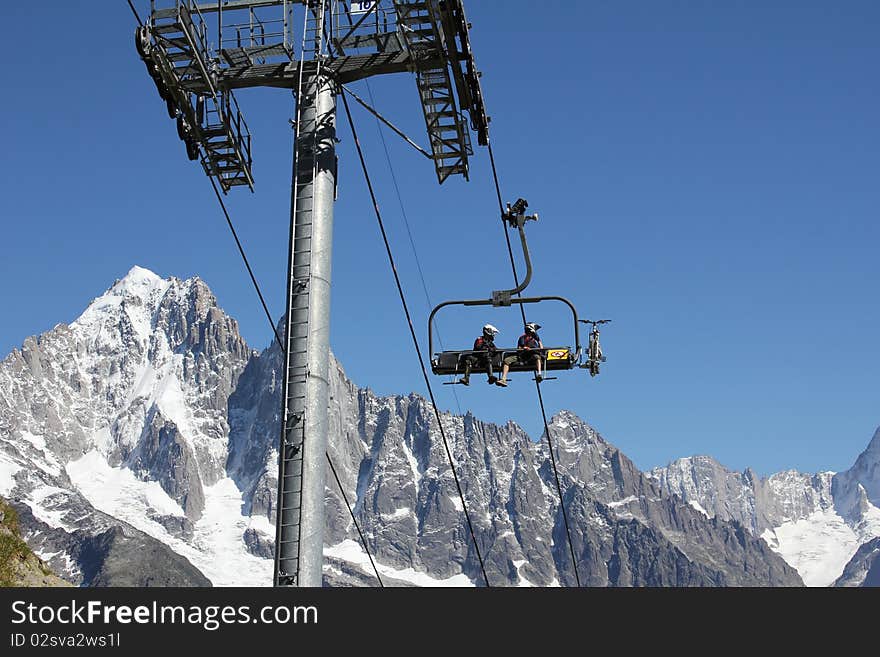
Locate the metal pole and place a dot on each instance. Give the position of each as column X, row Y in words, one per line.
column 318, row 385
column 300, row 533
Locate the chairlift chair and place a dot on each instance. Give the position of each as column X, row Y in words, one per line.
column 554, row 358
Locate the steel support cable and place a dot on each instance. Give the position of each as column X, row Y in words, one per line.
column 413, row 333
column 245, row 258
column 135, row 12
column 381, row 119
column 537, row 385
column 280, row 344
column 408, row 231
column 357, row 526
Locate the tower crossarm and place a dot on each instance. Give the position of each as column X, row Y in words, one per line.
column 285, row 76
column 200, row 52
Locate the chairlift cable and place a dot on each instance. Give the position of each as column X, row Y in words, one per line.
column 406, row 223
column 246, row 263
column 136, row 15
column 360, row 533
column 413, row 333
column 537, row 385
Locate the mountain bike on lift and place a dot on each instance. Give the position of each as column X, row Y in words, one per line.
column 594, row 349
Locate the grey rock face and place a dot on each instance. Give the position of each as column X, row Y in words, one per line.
column 102, row 551
column 754, row 502
column 125, row 557
column 163, row 452
column 864, row 568
column 259, row 544
column 633, row 517
column 254, row 426
column 859, row 486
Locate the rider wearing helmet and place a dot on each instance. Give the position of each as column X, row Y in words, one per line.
column 486, row 344
column 528, row 352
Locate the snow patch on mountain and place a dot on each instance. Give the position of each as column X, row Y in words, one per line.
column 522, row 581
column 8, row 470
column 402, row 512
column 352, row 552
column 48, row 463
column 623, row 502
column 216, row 547
column 135, row 295
column 818, row 546
column 868, row 526
column 219, row 551
column 117, row 492
column 48, row 505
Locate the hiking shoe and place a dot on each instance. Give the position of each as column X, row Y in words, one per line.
column 492, row 379
column 464, row 382
column 501, row 382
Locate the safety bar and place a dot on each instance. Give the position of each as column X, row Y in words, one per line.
column 489, row 302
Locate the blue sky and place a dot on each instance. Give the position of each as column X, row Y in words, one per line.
column 706, row 175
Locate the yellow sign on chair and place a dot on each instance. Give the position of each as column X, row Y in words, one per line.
column 557, row 354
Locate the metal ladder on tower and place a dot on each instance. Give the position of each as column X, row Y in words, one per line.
column 450, row 141
column 297, row 348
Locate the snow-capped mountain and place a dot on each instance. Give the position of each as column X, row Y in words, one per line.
column 816, row 522
column 138, row 445
column 121, row 416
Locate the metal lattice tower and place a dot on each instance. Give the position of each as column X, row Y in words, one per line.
column 197, row 55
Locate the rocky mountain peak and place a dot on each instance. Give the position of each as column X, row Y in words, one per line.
column 858, row 488
column 138, row 282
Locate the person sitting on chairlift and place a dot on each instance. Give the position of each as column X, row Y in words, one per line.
column 484, row 343
column 527, row 353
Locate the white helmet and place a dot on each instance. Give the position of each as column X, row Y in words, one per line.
column 532, row 327
column 490, row 330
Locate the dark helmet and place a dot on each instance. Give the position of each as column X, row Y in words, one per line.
column 532, row 327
